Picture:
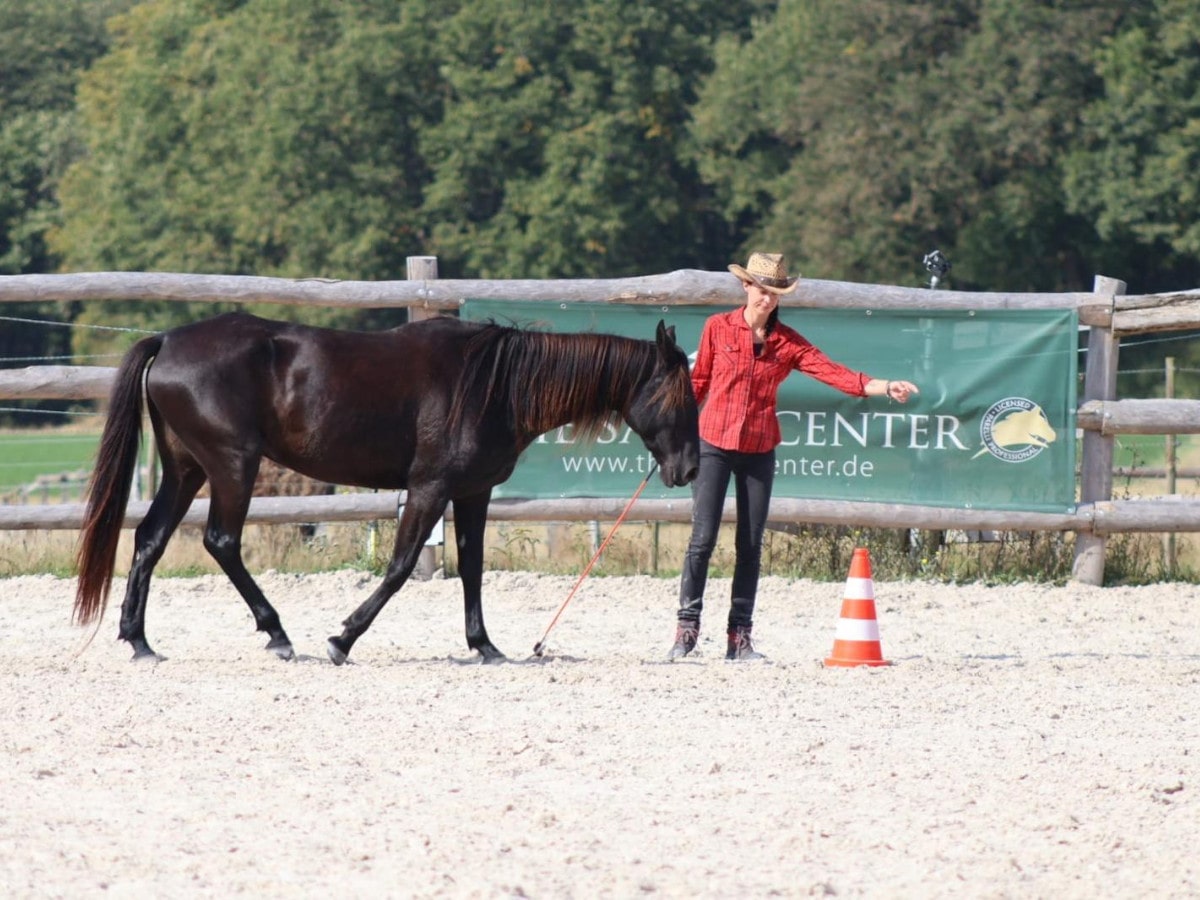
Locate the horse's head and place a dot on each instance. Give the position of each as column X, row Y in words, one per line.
column 664, row 415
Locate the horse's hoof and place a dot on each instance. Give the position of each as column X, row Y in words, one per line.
column 146, row 656
column 337, row 655
column 282, row 648
column 491, row 655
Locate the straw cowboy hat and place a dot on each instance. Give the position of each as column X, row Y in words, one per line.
column 768, row 271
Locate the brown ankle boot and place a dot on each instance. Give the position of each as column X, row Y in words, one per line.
column 686, row 635
column 740, row 646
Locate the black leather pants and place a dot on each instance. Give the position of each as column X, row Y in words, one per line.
column 753, row 475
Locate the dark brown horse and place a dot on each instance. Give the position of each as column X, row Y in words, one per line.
column 441, row 407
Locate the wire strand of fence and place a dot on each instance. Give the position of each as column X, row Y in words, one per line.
column 1141, row 342
column 57, row 324
column 70, row 357
column 24, row 410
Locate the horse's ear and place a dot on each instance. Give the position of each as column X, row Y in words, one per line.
column 665, row 336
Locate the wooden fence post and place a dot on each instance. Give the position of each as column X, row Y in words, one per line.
column 1096, row 477
column 1169, row 554
column 423, row 268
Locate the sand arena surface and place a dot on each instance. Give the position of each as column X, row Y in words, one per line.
column 1030, row 741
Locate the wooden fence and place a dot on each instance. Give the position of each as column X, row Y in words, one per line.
column 1107, row 310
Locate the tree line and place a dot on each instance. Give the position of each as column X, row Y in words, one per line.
column 1035, row 144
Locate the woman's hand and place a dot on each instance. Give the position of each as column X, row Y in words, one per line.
column 898, row 390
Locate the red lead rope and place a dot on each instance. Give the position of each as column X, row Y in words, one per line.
column 541, row 645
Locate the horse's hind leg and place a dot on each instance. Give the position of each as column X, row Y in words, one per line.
column 223, row 540
column 168, row 508
column 416, row 524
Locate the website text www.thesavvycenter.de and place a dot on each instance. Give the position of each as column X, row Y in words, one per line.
column 815, row 444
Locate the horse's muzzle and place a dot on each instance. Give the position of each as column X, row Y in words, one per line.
column 679, row 476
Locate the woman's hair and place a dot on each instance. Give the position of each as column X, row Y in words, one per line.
column 772, row 320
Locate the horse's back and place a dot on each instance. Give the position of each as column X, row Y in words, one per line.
column 244, row 348
column 349, row 407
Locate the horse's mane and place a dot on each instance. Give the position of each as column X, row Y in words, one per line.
column 539, row 379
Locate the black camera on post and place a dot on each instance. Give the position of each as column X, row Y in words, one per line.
column 937, row 265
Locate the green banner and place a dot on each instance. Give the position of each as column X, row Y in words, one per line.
column 993, row 426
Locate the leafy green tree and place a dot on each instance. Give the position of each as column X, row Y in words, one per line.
column 29, row 141
column 882, row 130
column 274, row 137
column 1137, row 171
column 559, row 152
column 43, row 49
column 336, row 138
column 1015, row 91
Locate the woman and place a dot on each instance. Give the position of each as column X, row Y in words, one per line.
column 744, row 356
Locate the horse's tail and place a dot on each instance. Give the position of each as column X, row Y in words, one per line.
column 108, row 489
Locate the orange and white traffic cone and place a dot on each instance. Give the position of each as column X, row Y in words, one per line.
column 856, row 642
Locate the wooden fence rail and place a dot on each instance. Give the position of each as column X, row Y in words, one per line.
column 1104, row 518
column 1107, row 310
column 1124, row 315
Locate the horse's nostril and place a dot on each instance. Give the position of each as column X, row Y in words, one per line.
column 690, row 475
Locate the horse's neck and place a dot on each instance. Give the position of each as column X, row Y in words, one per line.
column 589, row 400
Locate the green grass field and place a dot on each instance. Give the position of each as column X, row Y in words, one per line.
column 27, row 454
column 1150, row 450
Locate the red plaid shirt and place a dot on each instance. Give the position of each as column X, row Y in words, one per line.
column 741, row 388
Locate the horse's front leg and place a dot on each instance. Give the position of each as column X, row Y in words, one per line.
column 421, row 513
column 470, row 520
